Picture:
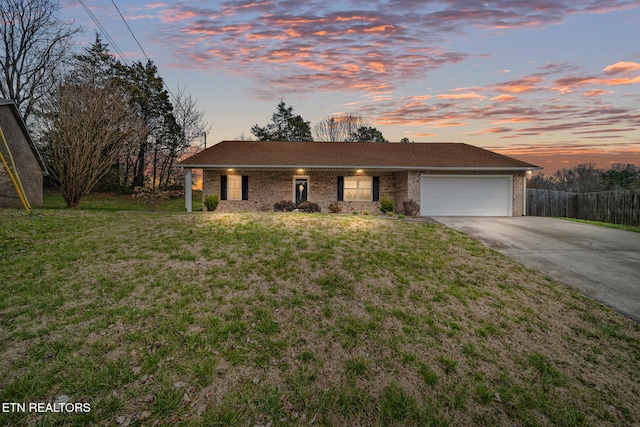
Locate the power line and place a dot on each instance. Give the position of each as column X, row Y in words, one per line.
column 140, row 46
column 113, row 43
column 104, row 32
column 130, row 30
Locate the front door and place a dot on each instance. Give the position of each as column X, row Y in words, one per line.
column 301, row 187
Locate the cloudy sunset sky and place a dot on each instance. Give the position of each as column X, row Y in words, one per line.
column 552, row 82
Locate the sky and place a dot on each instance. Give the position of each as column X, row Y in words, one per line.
column 552, row 82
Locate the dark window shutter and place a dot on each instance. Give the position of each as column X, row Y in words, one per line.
column 245, row 187
column 223, row 187
column 376, row 188
column 340, row 188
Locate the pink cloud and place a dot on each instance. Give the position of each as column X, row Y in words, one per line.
column 404, row 38
column 621, row 67
column 461, row 96
column 582, row 115
column 496, row 130
column 376, row 47
column 595, row 92
column 524, row 84
column 620, row 81
column 560, row 156
column 504, row 98
column 448, row 125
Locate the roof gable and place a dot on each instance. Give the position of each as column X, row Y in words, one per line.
column 10, row 104
column 280, row 154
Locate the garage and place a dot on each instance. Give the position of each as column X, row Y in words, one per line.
column 466, row 195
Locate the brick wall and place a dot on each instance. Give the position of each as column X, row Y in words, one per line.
column 269, row 187
column 26, row 162
column 519, row 194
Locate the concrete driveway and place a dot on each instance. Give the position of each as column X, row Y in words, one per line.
column 602, row 263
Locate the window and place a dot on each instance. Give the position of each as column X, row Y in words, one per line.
column 234, row 187
column 358, row 188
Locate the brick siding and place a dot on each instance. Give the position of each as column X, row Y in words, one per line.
column 26, row 162
column 269, row 187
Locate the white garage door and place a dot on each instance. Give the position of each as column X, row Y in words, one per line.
column 477, row 195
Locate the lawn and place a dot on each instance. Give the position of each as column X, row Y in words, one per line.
column 634, row 228
column 120, row 202
column 260, row 319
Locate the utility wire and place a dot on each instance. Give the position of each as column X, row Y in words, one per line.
column 130, row 30
column 104, row 32
column 140, row 46
column 113, row 43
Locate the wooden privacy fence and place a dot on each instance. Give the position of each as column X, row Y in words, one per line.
column 550, row 203
column 616, row 207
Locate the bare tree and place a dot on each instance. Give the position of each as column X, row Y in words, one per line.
column 34, row 44
column 339, row 127
column 192, row 127
column 583, row 178
column 87, row 126
column 189, row 117
column 243, row 137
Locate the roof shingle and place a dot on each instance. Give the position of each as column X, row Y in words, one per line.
column 279, row 154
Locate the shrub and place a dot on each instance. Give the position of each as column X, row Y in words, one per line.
column 284, row 206
column 150, row 197
column 386, row 204
column 410, row 207
column 127, row 191
column 308, row 207
column 365, row 212
column 335, row 207
column 211, row 202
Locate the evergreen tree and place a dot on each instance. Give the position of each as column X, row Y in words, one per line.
column 146, row 93
column 284, row 126
column 367, row 134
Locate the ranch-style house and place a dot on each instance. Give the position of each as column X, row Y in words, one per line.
column 444, row 179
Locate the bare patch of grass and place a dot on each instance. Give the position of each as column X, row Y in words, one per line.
column 258, row 318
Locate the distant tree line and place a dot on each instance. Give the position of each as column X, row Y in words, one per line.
column 287, row 126
column 586, row 178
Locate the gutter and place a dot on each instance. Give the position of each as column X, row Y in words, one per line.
column 327, row 167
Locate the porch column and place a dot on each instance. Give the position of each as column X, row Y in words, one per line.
column 187, row 189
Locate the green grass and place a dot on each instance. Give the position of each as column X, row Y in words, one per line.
column 118, row 202
column 295, row 319
column 634, row 228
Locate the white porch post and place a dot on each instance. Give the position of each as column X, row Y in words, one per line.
column 187, row 189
